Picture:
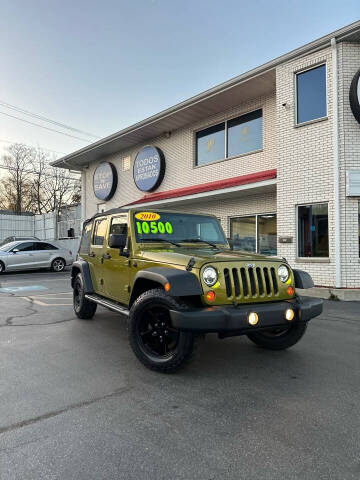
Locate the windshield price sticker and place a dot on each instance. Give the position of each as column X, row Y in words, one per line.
column 154, row 227
column 147, row 216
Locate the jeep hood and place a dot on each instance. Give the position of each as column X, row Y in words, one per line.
column 181, row 255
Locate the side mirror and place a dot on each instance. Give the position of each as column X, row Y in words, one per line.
column 15, row 250
column 231, row 243
column 118, row 240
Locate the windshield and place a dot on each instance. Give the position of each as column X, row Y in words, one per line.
column 177, row 228
column 6, row 247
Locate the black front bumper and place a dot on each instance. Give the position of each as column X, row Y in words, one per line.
column 235, row 319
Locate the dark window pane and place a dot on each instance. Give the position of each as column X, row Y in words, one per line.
column 243, row 233
column 245, row 134
column 267, row 232
column 99, row 232
column 85, row 239
column 359, row 229
column 313, row 230
column 210, row 144
column 311, row 94
column 25, row 247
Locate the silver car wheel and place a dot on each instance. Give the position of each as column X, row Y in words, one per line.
column 58, row 265
column 2, row 267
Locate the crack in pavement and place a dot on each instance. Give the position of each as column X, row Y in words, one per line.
column 9, row 320
column 55, row 413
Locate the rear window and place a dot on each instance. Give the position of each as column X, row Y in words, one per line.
column 85, row 239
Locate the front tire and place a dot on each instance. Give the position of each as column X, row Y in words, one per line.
column 83, row 308
column 152, row 338
column 279, row 338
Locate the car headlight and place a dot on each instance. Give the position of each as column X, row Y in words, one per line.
column 210, row 276
column 283, row 273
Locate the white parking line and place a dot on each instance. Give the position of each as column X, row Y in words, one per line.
column 37, row 301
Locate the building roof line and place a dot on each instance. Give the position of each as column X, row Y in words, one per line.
column 340, row 34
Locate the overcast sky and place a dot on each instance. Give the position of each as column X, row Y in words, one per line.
column 100, row 66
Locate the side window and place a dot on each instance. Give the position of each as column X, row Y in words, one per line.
column 99, row 232
column 44, row 246
column 85, row 239
column 119, row 225
column 25, row 247
column 311, row 94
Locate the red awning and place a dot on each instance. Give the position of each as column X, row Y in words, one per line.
column 207, row 187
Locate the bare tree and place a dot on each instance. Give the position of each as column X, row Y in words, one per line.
column 17, row 183
column 32, row 184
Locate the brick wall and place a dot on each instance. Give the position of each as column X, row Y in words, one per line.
column 179, row 154
column 349, row 150
column 305, row 165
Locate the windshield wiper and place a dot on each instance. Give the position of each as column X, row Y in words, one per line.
column 159, row 240
column 197, row 240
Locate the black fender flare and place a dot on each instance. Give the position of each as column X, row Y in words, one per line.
column 302, row 279
column 81, row 266
column 182, row 283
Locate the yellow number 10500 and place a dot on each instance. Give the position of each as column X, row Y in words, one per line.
column 154, row 227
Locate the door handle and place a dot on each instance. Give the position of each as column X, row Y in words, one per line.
column 106, row 255
column 91, row 254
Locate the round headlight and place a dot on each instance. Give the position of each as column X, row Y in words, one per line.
column 210, row 276
column 283, row 273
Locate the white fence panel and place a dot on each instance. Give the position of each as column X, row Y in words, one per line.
column 45, row 226
column 19, row 225
column 70, row 244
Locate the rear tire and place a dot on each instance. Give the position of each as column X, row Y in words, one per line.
column 83, row 308
column 279, row 339
column 152, row 338
column 58, row 265
column 2, row 268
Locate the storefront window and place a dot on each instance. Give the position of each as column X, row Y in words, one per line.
column 311, row 94
column 313, row 234
column 256, row 234
column 210, row 144
column 245, row 134
column 267, row 234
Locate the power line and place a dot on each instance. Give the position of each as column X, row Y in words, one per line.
column 31, row 146
column 45, row 119
column 42, row 126
column 4, row 167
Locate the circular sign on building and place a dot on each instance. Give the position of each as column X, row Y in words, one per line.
column 105, row 181
column 149, row 168
column 354, row 96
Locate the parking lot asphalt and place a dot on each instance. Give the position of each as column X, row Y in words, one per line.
column 76, row 404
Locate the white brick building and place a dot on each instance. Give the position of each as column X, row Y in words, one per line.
column 269, row 152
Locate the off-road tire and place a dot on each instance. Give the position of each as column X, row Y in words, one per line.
column 2, row 268
column 280, row 341
column 83, row 308
column 55, row 265
column 186, row 344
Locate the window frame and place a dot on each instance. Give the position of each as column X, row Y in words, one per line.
column 299, row 72
column 256, row 215
column 225, row 122
column 310, row 259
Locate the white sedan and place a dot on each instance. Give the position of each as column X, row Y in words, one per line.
column 29, row 255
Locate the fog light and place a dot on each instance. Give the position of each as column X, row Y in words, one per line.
column 253, row 318
column 167, row 286
column 289, row 314
column 210, row 296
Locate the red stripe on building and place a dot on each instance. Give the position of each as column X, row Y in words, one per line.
column 208, row 187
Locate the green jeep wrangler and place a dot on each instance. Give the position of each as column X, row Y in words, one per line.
column 176, row 278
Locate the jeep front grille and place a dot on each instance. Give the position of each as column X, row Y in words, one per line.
column 251, row 282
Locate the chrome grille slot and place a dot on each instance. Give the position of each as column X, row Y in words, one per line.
column 251, row 282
